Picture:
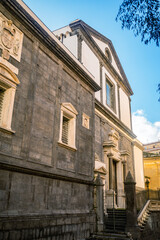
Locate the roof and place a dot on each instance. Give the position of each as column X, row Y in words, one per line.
column 151, row 143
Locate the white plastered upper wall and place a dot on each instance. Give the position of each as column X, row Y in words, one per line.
column 125, row 108
column 70, row 41
column 103, row 46
column 107, row 75
column 91, row 62
column 62, row 30
column 138, row 161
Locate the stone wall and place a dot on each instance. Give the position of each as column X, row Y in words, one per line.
column 23, row 194
column 67, row 227
column 143, row 196
column 108, row 152
column 44, row 85
column 103, row 128
column 46, row 189
column 39, row 208
column 152, row 227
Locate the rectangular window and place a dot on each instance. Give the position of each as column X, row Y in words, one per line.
column 8, row 84
column 67, row 134
column 65, row 130
column 110, row 94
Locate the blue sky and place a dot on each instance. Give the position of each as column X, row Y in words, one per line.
column 140, row 62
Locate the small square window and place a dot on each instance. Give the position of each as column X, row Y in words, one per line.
column 85, row 121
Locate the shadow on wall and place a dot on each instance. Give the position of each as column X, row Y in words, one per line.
column 143, row 196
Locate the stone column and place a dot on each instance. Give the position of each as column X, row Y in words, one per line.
column 124, row 170
column 99, row 203
column 131, row 208
column 101, row 83
column 110, row 174
column 119, row 108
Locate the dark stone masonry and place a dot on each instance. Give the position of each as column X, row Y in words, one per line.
column 46, row 187
column 66, row 139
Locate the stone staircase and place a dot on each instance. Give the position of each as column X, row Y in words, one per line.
column 143, row 220
column 114, row 226
column 116, row 220
column 143, row 216
column 110, row 236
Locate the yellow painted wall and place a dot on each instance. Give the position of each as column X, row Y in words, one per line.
column 152, row 170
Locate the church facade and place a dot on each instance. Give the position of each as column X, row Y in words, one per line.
column 64, row 118
column 117, row 150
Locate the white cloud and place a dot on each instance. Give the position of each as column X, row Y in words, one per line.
column 139, row 112
column 157, row 124
column 146, row 131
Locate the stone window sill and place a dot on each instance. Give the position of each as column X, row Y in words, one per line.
column 67, row 146
column 6, row 130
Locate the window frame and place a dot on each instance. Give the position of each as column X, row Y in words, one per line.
column 69, row 112
column 8, row 83
column 112, row 104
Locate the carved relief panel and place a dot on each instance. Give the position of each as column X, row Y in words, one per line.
column 10, row 39
column 85, row 121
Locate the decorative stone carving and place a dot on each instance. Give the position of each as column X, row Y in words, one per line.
column 114, row 137
column 85, row 121
column 124, row 155
column 97, row 157
column 100, row 167
column 101, row 170
column 10, row 39
column 7, row 77
column 111, row 147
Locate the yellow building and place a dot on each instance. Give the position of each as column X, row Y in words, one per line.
column 152, row 170
column 153, row 147
column 151, row 156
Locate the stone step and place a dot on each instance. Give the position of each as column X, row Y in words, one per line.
column 109, row 236
column 117, row 216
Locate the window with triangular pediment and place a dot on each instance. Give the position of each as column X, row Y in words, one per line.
column 67, row 134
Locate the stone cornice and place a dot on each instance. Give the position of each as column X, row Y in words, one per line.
column 110, row 144
column 138, row 144
column 37, row 172
column 47, row 37
column 124, row 153
column 85, row 30
column 101, row 108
